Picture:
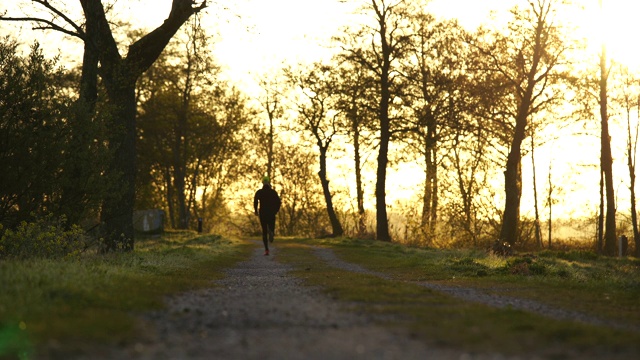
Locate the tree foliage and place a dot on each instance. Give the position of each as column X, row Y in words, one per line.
column 37, row 145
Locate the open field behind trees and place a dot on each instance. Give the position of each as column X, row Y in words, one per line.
column 70, row 306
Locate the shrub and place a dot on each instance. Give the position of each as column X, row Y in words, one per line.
column 526, row 266
column 43, row 238
column 468, row 266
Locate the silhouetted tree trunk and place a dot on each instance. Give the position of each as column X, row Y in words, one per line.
column 538, row 231
column 550, row 203
column 362, row 225
column 355, row 97
column 606, row 160
column 631, row 164
column 272, row 103
column 333, row 218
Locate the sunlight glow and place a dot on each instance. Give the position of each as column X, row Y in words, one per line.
column 615, row 25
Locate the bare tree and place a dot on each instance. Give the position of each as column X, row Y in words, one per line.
column 606, row 159
column 355, row 102
column 381, row 45
column 271, row 101
column 629, row 99
column 317, row 115
column 433, row 74
column 527, row 62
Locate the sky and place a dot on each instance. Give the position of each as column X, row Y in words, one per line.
column 292, row 31
column 256, row 36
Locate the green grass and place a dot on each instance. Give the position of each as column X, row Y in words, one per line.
column 94, row 298
column 579, row 283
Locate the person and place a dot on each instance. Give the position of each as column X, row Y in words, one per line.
column 269, row 206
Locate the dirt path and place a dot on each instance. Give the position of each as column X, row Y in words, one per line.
column 262, row 312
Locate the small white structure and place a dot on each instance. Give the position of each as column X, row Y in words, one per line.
column 148, row 221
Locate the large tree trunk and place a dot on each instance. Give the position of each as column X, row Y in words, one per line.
column 430, row 196
column 512, row 174
column 382, row 224
column 333, row 218
column 512, row 185
column 117, row 209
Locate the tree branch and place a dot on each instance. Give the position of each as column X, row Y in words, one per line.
column 145, row 51
column 59, row 13
column 47, row 25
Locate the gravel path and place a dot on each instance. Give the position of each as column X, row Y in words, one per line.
column 259, row 311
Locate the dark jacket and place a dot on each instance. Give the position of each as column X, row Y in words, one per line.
column 268, row 199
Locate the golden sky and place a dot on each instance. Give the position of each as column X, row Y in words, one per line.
column 254, row 36
column 258, row 35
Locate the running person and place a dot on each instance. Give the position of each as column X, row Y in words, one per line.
column 269, row 207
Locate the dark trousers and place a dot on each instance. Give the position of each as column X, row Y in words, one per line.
column 268, row 223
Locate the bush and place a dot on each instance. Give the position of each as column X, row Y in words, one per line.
column 44, row 238
column 469, row 267
column 526, row 266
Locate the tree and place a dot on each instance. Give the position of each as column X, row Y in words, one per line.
column 119, row 75
column 318, row 116
column 606, row 159
column 629, row 99
column 32, row 113
column 357, row 105
column 184, row 73
column 593, row 88
column 302, row 212
column 189, row 126
column 271, row 102
column 433, row 73
column 526, row 62
column 381, row 46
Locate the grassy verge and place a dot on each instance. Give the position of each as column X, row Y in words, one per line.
column 93, row 298
column 571, row 281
